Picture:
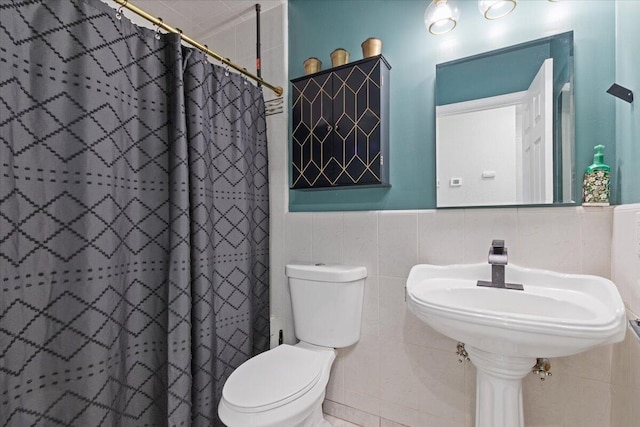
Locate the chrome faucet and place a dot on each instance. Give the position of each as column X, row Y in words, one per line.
column 498, row 259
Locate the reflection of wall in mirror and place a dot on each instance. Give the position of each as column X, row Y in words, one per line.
column 480, row 141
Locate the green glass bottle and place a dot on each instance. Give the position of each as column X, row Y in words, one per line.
column 595, row 185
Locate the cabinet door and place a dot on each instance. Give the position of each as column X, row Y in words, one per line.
column 312, row 132
column 356, row 114
column 339, row 129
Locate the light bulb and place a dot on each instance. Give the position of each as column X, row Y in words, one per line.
column 495, row 9
column 441, row 16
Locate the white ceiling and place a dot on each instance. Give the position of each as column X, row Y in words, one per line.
column 199, row 18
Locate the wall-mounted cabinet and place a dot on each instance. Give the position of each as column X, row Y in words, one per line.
column 340, row 126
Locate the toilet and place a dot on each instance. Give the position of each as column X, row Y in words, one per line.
column 285, row 386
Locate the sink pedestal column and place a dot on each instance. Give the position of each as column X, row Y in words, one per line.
column 499, row 388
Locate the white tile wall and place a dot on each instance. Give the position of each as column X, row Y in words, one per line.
column 596, row 253
column 549, row 238
column 403, row 371
column 361, row 240
column 327, row 242
column 238, row 42
column 362, row 367
column 397, row 242
column 441, row 237
column 625, row 262
column 625, row 272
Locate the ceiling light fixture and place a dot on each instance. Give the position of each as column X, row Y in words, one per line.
column 441, row 16
column 495, row 9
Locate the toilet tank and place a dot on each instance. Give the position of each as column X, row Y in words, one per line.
column 327, row 303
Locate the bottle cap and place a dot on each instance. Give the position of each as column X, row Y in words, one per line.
column 598, row 160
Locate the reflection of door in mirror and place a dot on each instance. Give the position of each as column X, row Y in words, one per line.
column 502, row 146
column 537, row 140
column 505, row 126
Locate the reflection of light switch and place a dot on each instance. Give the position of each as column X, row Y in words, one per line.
column 488, row 174
column 455, row 182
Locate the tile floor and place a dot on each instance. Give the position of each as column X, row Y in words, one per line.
column 337, row 422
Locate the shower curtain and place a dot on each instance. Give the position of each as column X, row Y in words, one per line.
column 133, row 222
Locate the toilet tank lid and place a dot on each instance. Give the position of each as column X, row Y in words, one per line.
column 326, row 273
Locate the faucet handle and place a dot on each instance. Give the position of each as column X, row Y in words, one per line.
column 497, row 246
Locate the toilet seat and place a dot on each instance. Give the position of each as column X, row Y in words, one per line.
column 272, row 379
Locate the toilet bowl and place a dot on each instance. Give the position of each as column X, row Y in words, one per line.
column 285, row 386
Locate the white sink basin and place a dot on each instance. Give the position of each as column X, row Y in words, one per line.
column 556, row 314
column 505, row 330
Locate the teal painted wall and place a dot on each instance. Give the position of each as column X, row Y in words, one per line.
column 317, row 27
column 628, row 115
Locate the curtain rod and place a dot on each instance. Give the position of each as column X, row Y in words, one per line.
column 159, row 23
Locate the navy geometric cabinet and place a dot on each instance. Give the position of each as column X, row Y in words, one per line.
column 340, row 126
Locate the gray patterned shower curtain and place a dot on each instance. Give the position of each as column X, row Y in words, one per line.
column 133, row 222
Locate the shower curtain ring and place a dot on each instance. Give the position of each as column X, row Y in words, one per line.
column 244, row 76
column 119, row 12
column 157, row 35
column 226, row 68
column 179, row 31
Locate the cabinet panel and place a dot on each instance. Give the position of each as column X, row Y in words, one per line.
column 340, row 126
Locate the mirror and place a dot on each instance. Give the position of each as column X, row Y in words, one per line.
column 505, row 126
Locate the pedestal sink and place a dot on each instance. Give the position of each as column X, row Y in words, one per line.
column 504, row 330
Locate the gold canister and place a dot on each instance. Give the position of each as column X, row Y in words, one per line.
column 312, row 65
column 371, row 47
column 339, row 57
